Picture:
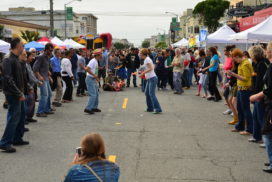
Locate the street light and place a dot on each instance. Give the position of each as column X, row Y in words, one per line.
column 167, row 12
column 65, row 14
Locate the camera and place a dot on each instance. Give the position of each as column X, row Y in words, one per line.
column 78, row 151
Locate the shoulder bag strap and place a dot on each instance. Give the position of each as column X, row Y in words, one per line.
column 94, row 173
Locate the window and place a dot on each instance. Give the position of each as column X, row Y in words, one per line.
column 84, row 18
column 196, row 29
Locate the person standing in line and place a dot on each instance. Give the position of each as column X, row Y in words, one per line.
column 266, row 96
column 41, row 70
column 187, row 60
column 102, row 66
column 244, row 84
column 213, row 74
column 81, row 73
column 67, row 77
column 74, row 59
column 91, row 82
column 257, row 54
column 30, row 97
column 178, row 66
column 169, row 69
column 152, row 102
column 56, row 76
column 13, row 87
column 132, row 64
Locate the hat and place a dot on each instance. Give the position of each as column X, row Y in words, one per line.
column 97, row 51
column 32, row 50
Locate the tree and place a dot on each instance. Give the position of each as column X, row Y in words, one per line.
column 29, row 36
column 210, row 12
column 118, row 45
column 161, row 45
column 1, row 31
column 146, row 44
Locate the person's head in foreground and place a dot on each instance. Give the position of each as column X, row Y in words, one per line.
column 90, row 163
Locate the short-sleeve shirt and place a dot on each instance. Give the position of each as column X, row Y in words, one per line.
column 180, row 60
column 215, row 66
column 93, row 64
column 152, row 73
column 81, row 60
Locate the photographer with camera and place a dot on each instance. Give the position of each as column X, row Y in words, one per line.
column 90, row 163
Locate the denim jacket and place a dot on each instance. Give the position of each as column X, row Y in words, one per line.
column 107, row 171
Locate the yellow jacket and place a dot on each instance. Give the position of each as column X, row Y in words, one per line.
column 245, row 70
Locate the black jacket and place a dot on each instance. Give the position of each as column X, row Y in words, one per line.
column 132, row 61
column 267, row 128
column 13, row 81
column 260, row 69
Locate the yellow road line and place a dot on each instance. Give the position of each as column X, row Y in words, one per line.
column 125, row 103
column 112, row 158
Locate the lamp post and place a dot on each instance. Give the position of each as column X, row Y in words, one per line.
column 177, row 16
column 65, row 18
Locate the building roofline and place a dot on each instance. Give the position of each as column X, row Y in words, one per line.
column 22, row 24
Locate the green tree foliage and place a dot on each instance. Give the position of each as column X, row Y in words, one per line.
column 161, row 45
column 210, row 12
column 118, row 45
column 1, row 31
column 29, row 36
column 146, row 44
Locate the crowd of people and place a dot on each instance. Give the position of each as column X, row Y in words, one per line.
column 243, row 78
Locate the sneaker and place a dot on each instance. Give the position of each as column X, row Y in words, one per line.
column 32, row 120
column 56, row 104
column 26, row 130
column 88, row 111
column 8, row 149
column 267, row 170
column 50, row 112
column 262, row 145
column 41, row 115
column 227, row 112
column 21, row 143
column 156, row 112
column 232, row 114
column 96, row 110
column 253, row 140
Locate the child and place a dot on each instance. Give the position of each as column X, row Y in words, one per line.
column 201, row 77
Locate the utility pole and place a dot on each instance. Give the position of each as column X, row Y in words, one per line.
column 51, row 19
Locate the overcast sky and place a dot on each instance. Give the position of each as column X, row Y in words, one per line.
column 135, row 28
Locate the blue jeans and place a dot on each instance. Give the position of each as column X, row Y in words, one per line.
column 45, row 98
column 177, row 81
column 268, row 145
column 151, row 99
column 92, row 87
column 186, row 78
column 30, row 105
column 191, row 73
column 14, row 130
column 244, row 112
column 129, row 73
column 143, row 81
column 258, row 120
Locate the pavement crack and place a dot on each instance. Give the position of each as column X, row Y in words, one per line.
column 213, row 161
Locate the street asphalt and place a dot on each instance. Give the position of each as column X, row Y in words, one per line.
column 189, row 142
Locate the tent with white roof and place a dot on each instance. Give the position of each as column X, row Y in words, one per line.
column 4, row 47
column 183, row 42
column 221, row 36
column 259, row 33
column 58, row 42
column 73, row 44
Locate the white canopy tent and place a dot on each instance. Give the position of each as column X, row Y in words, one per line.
column 221, row 36
column 73, row 44
column 259, row 33
column 183, row 42
column 4, row 47
column 58, row 42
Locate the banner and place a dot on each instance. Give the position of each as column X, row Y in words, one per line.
column 203, row 35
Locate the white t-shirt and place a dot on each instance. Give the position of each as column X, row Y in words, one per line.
column 93, row 64
column 66, row 67
column 152, row 73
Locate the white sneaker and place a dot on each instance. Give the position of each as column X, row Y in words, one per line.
column 262, row 145
column 231, row 114
column 227, row 112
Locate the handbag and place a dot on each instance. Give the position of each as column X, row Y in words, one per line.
column 94, row 173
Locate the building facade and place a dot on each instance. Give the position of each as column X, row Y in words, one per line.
column 13, row 28
column 81, row 24
column 249, row 2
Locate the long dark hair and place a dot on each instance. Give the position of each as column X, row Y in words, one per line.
column 213, row 51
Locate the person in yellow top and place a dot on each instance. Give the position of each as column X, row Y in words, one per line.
column 244, row 83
